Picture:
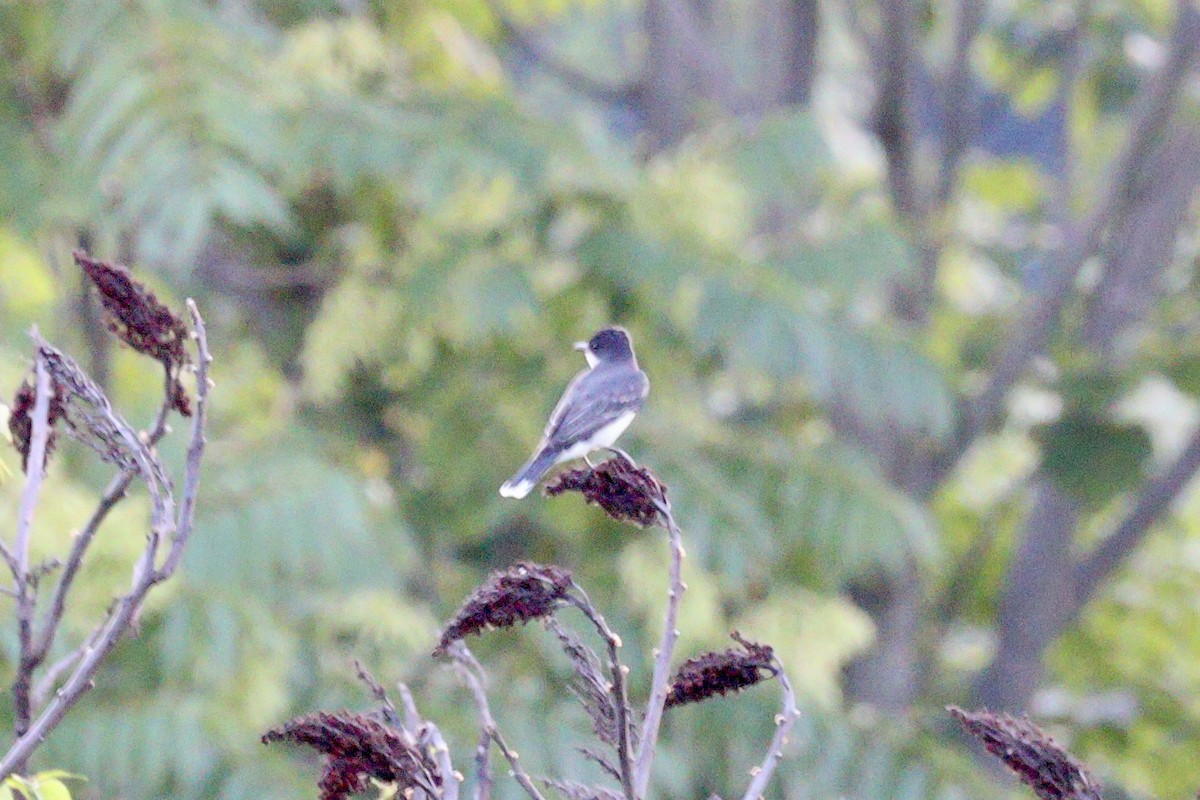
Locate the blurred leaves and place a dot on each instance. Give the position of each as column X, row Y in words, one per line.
column 399, row 242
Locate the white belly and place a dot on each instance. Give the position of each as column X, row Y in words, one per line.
column 605, row 437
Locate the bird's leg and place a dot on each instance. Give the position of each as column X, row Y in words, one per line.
column 619, row 452
column 588, row 461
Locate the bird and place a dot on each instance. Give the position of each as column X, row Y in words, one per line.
column 596, row 408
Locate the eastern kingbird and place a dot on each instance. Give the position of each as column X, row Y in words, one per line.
column 596, row 408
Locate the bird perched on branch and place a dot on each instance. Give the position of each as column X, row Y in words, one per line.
column 596, row 408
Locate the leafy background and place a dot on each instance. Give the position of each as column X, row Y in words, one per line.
column 397, row 218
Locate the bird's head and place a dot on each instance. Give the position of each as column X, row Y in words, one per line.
column 608, row 345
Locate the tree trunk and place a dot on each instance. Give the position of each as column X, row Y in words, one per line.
column 887, row 677
column 788, row 37
column 1037, row 601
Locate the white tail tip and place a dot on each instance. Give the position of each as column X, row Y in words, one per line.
column 516, row 490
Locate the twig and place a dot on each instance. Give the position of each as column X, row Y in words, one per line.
column 35, row 471
column 52, row 673
column 419, row 731
column 484, row 781
column 389, row 709
column 195, row 454
column 662, row 662
column 466, row 666
column 441, row 750
column 619, row 693
column 145, row 575
column 784, row 720
column 415, row 722
column 113, row 495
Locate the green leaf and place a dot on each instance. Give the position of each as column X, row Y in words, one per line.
column 837, row 511
column 866, row 255
column 53, row 789
column 59, row 775
column 28, row 788
column 1094, row 459
column 785, row 156
column 878, row 375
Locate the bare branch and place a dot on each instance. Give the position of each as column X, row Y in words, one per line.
column 895, row 121
column 390, row 715
column 418, row 733
column 441, row 753
column 468, row 669
column 35, row 471
column 958, row 106
column 113, row 495
column 620, row 697
column 50, row 677
column 1147, row 123
column 1153, row 500
column 484, row 780
column 195, row 453
column 784, row 720
column 662, row 663
column 145, row 575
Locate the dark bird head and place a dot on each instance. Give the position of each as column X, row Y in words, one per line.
column 608, row 346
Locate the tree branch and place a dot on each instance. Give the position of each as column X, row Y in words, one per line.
column 619, row 693
column 113, row 495
column 1073, row 66
column 958, row 105
column 195, row 453
column 1153, row 500
column 1144, row 245
column 784, row 720
column 119, row 619
column 418, row 733
column 894, row 121
column 468, row 669
column 35, row 471
column 1150, row 117
column 662, row 663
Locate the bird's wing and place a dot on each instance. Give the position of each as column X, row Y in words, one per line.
column 593, row 401
column 560, row 408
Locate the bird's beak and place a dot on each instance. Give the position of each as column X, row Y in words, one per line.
column 581, row 346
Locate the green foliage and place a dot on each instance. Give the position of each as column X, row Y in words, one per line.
column 396, row 234
column 48, row 785
column 167, row 96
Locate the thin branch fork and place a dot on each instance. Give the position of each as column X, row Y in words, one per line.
column 619, row 691
column 468, row 669
column 35, row 472
column 660, row 683
column 113, row 495
column 145, row 573
column 784, row 721
column 420, row 732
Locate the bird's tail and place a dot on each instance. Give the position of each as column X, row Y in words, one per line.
column 527, row 476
